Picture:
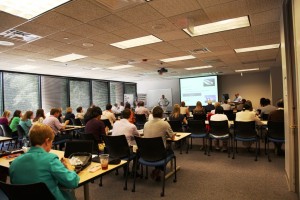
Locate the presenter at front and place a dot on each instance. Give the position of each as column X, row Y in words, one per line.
column 163, row 102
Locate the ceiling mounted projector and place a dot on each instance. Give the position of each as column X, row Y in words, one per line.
column 162, row 70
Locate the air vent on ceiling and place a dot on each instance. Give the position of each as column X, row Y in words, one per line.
column 211, row 61
column 200, row 51
column 259, row 61
column 19, row 35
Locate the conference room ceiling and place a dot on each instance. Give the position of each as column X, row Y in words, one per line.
column 88, row 27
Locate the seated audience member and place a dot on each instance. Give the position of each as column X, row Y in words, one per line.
column 124, row 127
column 226, row 105
column 141, row 109
column 278, row 116
column 131, row 118
column 216, row 105
column 69, row 115
column 121, row 107
column 238, row 98
column 247, row 115
column 108, row 114
column 40, row 116
column 5, row 117
column 158, row 128
column 184, row 110
column 56, row 126
column 199, row 111
column 177, row 116
column 209, row 106
column 94, row 125
column 220, row 116
column 38, row 165
column 60, row 116
column 267, row 108
column 240, row 106
column 115, row 109
column 14, row 122
column 79, row 114
column 25, row 122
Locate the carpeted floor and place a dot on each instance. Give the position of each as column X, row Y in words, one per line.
column 203, row 177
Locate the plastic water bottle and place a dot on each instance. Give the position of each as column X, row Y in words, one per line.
column 25, row 142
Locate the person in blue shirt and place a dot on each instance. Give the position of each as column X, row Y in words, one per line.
column 38, row 165
column 25, row 122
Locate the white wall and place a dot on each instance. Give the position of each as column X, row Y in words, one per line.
column 276, row 84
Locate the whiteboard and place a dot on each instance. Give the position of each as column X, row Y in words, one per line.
column 153, row 96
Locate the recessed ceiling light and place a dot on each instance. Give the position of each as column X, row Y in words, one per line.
column 68, row 57
column 257, row 48
column 224, row 25
column 200, row 67
column 246, row 70
column 66, row 38
column 30, row 60
column 88, row 44
column 29, row 8
column 120, row 67
column 91, row 68
column 150, row 39
column 5, row 43
column 178, row 58
column 25, row 67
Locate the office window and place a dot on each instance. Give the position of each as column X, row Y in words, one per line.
column 21, row 91
column 100, row 93
column 130, row 88
column 54, row 93
column 80, row 94
column 116, row 92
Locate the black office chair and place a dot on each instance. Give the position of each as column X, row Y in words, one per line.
column 35, row 191
column 230, row 115
column 198, row 130
column 21, row 134
column 198, row 116
column 117, row 147
column 153, row 153
column 275, row 134
column 77, row 122
column 107, row 123
column 90, row 137
column 76, row 146
column 264, row 116
column 176, row 125
column 140, row 120
column 8, row 133
column 219, row 131
column 245, row 132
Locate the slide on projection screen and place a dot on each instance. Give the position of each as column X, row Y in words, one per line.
column 199, row 89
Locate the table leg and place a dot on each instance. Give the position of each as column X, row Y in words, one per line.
column 86, row 191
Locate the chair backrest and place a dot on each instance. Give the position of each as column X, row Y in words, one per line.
column 117, row 146
column 276, row 129
column 244, row 129
column 76, row 122
column 265, row 116
column 230, row 115
column 140, row 118
column 198, row 116
column 107, row 123
column 32, row 191
column 90, row 137
column 176, row 125
column 76, row 146
column 219, row 128
column 1, row 131
column 6, row 130
column 151, row 149
column 21, row 131
column 197, row 126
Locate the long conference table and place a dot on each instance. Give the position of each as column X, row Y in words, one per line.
column 85, row 176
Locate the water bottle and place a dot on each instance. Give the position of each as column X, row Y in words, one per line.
column 25, row 142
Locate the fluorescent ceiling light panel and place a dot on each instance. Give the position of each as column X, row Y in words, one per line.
column 29, row 8
column 258, row 48
column 6, row 43
column 178, row 58
column 69, row 57
column 200, row 67
column 120, row 67
column 150, row 39
column 247, row 70
column 25, row 67
column 224, row 25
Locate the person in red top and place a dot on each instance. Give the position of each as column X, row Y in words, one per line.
column 5, row 117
